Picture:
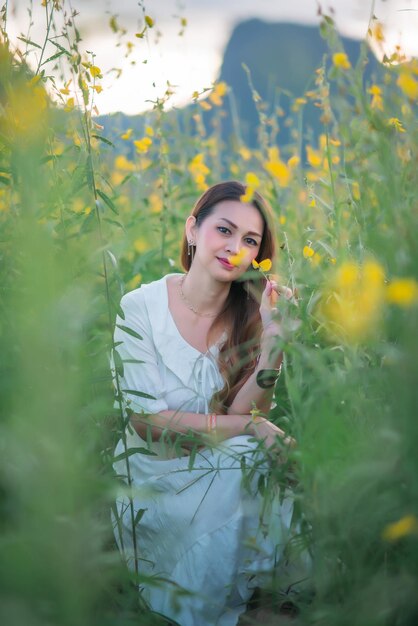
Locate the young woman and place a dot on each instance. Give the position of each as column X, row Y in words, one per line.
column 197, row 354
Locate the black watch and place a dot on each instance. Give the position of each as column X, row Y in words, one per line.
column 267, row 378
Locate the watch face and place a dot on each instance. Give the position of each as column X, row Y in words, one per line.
column 267, row 378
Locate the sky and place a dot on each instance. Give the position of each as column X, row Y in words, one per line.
column 191, row 61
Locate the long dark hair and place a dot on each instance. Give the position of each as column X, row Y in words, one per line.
column 238, row 355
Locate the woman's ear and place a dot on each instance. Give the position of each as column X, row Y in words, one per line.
column 191, row 228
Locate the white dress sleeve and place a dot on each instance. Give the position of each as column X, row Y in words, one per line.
column 136, row 362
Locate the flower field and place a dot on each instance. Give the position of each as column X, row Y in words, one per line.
column 84, row 219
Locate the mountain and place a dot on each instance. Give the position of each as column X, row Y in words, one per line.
column 281, row 58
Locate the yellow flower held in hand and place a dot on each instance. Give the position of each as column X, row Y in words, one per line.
column 237, row 259
column 264, row 266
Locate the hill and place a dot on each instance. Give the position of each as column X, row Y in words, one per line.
column 281, row 58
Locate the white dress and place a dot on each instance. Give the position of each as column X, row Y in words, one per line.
column 198, row 525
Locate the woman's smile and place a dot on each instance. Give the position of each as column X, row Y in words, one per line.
column 225, row 263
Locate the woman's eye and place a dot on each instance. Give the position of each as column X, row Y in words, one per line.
column 223, row 229
column 250, row 241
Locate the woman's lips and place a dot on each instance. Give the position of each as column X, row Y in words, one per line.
column 225, row 263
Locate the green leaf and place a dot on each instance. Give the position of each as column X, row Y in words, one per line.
column 115, row 222
column 128, row 330
column 130, row 360
column 120, row 312
column 53, row 57
column 107, row 201
column 106, row 141
column 138, row 516
column 140, row 394
column 60, row 47
column 89, row 223
column 31, row 43
column 130, row 452
column 118, row 363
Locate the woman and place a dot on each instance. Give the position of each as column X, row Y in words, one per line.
column 197, row 354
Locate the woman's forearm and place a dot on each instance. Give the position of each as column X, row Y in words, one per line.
column 181, row 423
column 251, row 393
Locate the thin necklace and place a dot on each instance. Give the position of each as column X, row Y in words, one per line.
column 188, row 304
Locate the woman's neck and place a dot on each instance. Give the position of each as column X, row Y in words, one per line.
column 206, row 294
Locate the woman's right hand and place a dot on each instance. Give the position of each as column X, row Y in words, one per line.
column 268, row 432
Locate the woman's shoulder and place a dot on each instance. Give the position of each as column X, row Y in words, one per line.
column 146, row 293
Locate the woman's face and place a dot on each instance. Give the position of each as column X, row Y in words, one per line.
column 232, row 228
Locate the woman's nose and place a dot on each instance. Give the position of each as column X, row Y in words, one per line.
column 233, row 245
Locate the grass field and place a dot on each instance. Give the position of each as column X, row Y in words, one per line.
column 81, row 223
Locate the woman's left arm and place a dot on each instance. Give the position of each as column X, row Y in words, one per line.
column 258, row 390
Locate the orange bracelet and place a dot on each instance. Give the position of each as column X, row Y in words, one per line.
column 211, row 422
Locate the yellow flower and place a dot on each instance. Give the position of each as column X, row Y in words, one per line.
column 199, row 170
column 407, row 525
column 69, row 105
column 156, row 203
column 277, row 168
column 252, row 179
column 308, row 252
column 149, row 21
column 402, row 291
column 149, row 131
column 126, row 135
column 352, row 302
column 314, row 157
column 293, row 161
column 316, row 259
column 312, row 202
column 95, row 71
column 205, row 105
column 245, row 153
column 377, row 101
column 377, row 32
column 356, row 190
column 97, row 88
column 282, row 220
column 65, row 91
column 264, row 266
column 239, row 258
column 134, row 282
column 122, row 163
column 408, row 84
column 219, row 91
column 253, row 182
column 340, row 59
column 143, row 145
column 141, row 245
column 397, row 124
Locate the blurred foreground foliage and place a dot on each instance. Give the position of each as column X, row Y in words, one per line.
column 81, row 224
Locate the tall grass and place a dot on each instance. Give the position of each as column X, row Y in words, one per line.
column 82, row 223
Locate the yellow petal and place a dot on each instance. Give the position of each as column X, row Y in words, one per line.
column 265, row 265
column 255, row 264
column 95, row 71
column 237, row 259
column 308, row 252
